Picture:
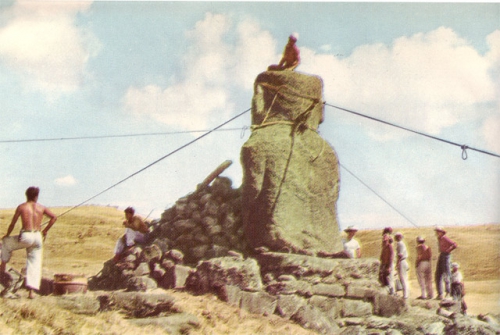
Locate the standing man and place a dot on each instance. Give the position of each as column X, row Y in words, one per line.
column 424, row 269
column 402, row 265
column 387, row 261
column 31, row 237
column 443, row 272
column 352, row 249
column 135, row 232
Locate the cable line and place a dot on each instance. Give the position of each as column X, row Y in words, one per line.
column 462, row 146
column 379, row 196
column 156, row 161
column 116, row 136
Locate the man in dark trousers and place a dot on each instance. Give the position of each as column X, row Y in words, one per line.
column 443, row 271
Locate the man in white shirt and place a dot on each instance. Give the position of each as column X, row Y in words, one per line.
column 351, row 246
column 402, row 264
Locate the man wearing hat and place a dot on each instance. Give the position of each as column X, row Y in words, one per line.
column 387, row 261
column 351, row 246
column 424, row 270
column 446, row 246
column 402, row 264
column 352, row 249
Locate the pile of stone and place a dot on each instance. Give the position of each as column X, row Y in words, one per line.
column 204, row 224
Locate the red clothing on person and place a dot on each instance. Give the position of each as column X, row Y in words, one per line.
column 424, row 253
column 291, row 55
column 446, row 245
column 387, row 255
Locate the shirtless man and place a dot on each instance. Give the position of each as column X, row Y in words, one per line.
column 290, row 59
column 31, row 237
column 136, row 232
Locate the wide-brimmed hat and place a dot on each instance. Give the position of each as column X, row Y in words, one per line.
column 439, row 228
column 420, row 239
column 455, row 265
column 351, row 228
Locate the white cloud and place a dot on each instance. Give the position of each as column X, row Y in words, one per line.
column 213, row 69
column 68, row 180
column 427, row 81
column 41, row 43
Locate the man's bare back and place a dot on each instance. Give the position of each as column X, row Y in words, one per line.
column 31, row 214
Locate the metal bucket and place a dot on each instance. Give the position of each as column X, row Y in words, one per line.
column 65, row 283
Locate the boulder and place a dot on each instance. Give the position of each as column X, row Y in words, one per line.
column 138, row 304
column 258, row 302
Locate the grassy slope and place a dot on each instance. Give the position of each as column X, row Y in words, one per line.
column 84, row 238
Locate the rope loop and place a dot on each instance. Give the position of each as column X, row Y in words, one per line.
column 464, row 151
column 243, row 130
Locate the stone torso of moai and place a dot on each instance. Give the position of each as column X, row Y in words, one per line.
column 291, row 174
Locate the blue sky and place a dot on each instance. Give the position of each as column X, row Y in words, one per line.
column 80, row 69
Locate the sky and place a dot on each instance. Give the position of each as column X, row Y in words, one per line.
column 113, row 91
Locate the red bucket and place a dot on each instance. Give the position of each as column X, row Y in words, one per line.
column 68, row 283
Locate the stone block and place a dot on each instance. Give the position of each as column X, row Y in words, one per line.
column 141, row 284
column 312, row 317
column 356, row 308
column 389, row 305
column 288, row 305
column 260, row 303
column 230, row 294
column 328, row 290
column 217, row 272
column 299, row 287
column 142, row 269
column 359, row 292
column 175, row 277
column 329, row 306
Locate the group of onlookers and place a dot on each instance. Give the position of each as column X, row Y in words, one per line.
column 446, row 273
column 394, row 256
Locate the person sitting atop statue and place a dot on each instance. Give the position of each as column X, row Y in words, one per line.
column 136, row 232
column 352, row 248
column 291, row 57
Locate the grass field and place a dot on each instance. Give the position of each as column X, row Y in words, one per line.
column 82, row 240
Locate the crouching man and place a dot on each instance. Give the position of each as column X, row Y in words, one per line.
column 30, row 238
column 136, row 232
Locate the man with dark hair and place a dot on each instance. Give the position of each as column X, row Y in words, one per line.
column 424, row 271
column 386, row 277
column 443, row 271
column 135, row 232
column 31, row 237
column 290, row 58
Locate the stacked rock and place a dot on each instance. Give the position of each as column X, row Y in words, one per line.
column 204, row 224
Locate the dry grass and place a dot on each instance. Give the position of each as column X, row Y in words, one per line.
column 82, row 240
